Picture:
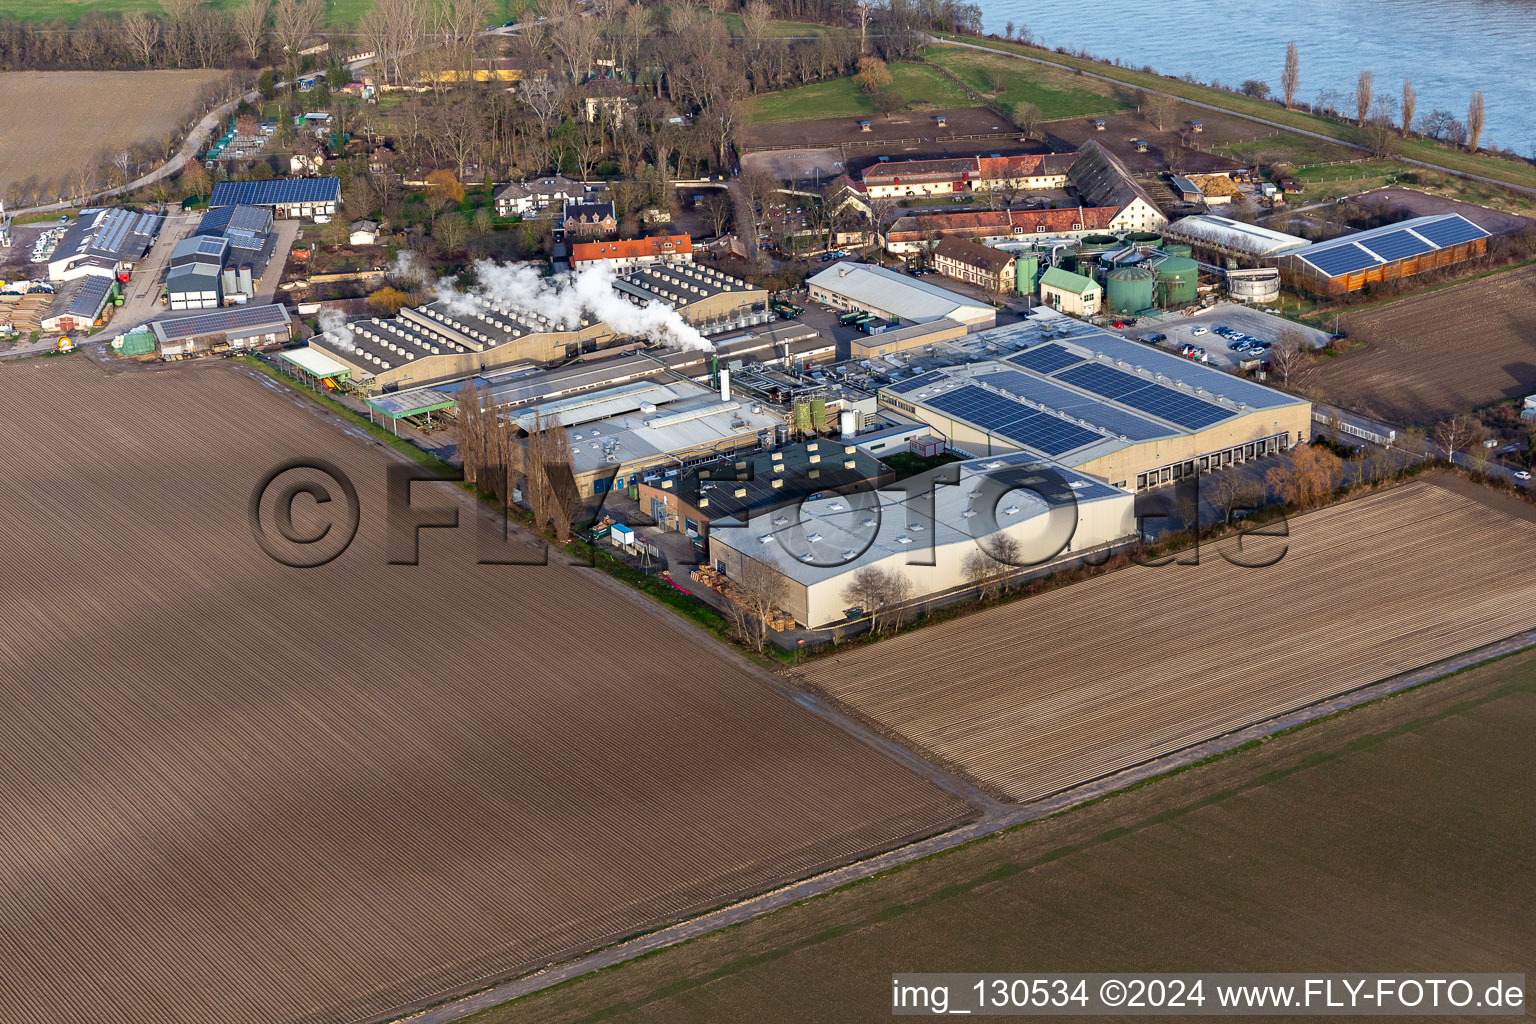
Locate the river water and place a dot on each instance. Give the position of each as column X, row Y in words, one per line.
column 1447, row 47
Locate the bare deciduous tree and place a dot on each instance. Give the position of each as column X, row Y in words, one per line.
column 1231, row 492
column 718, row 208
column 293, row 22
column 1410, row 102
column 143, row 34
column 1290, row 355
column 1291, row 76
column 1159, row 109
column 1309, row 478
column 1457, row 434
column 758, row 590
column 985, row 573
column 250, row 22
column 1475, row 120
column 1363, row 94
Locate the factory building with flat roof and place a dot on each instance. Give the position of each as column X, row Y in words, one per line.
column 896, row 296
column 443, row 341
column 652, row 430
column 924, row 531
column 1126, row 413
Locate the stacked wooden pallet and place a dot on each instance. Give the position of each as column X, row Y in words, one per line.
column 716, row 580
column 25, row 312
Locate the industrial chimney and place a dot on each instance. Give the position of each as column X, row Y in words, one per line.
column 725, row 385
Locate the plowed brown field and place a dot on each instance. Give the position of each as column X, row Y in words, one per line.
column 99, row 112
column 237, row 792
column 1429, row 358
column 1041, row 694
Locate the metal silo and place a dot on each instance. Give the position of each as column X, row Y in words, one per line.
column 1128, row 289
column 1178, row 280
column 1027, row 272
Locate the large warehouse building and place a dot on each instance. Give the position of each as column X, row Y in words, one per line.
column 924, row 531
column 1127, row 413
column 1350, row 262
column 106, row 243
column 886, row 293
column 1223, row 236
column 440, row 342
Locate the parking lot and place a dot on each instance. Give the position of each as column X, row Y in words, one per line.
column 1255, row 323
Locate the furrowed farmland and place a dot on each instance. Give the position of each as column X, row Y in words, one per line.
column 1427, row 358
column 252, row 794
column 100, row 112
column 1397, row 833
column 1042, row 694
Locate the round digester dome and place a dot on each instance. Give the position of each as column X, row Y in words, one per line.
column 1128, row 289
column 1178, row 281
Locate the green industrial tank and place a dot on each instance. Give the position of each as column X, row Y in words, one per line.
column 1143, row 238
column 1100, row 240
column 1177, row 249
column 1027, row 272
column 1128, row 289
column 1178, row 280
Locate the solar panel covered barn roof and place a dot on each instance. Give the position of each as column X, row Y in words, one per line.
column 1350, row 254
column 275, row 192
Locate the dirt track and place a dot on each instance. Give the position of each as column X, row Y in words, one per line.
column 239, row 792
column 1042, row 694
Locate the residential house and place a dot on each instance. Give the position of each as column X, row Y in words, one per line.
column 634, row 252
column 589, row 220
column 981, row 265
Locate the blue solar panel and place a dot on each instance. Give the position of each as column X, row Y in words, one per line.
column 1008, row 419
column 1146, row 396
column 1050, row 434
column 922, row 380
column 1342, row 259
column 1397, row 245
column 1452, row 231
column 1054, row 396
column 272, row 192
column 988, row 411
column 1045, row 359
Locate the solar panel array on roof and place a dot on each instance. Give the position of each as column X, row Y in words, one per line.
column 1008, row 419
column 922, row 380
column 1452, row 230
column 1054, row 396
column 92, row 294
column 1045, row 358
column 273, row 192
column 1208, row 378
column 1148, row 396
column 1398, row 245
column 235, row 318
column 249, row 219
column 1341, row 259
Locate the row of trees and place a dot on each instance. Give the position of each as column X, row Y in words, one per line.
column 189, row 34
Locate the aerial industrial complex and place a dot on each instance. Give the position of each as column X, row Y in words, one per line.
column 497, row 501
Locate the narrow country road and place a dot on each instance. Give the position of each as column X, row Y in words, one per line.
column 1233, row 113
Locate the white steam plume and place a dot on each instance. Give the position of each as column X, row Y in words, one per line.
column 565, row 299
column 334, row 323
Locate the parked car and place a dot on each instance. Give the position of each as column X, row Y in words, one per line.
column 1158, row 339
column 1198, row 331
column 1522, row 475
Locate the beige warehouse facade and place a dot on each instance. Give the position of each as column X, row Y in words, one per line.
column 924, row 533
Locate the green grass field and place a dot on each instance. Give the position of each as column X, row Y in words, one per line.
column 779, row 29
column 918, row 84
column 1056, row 93
column 1298, row 150
column 1395, row 833
column 1472, row 163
